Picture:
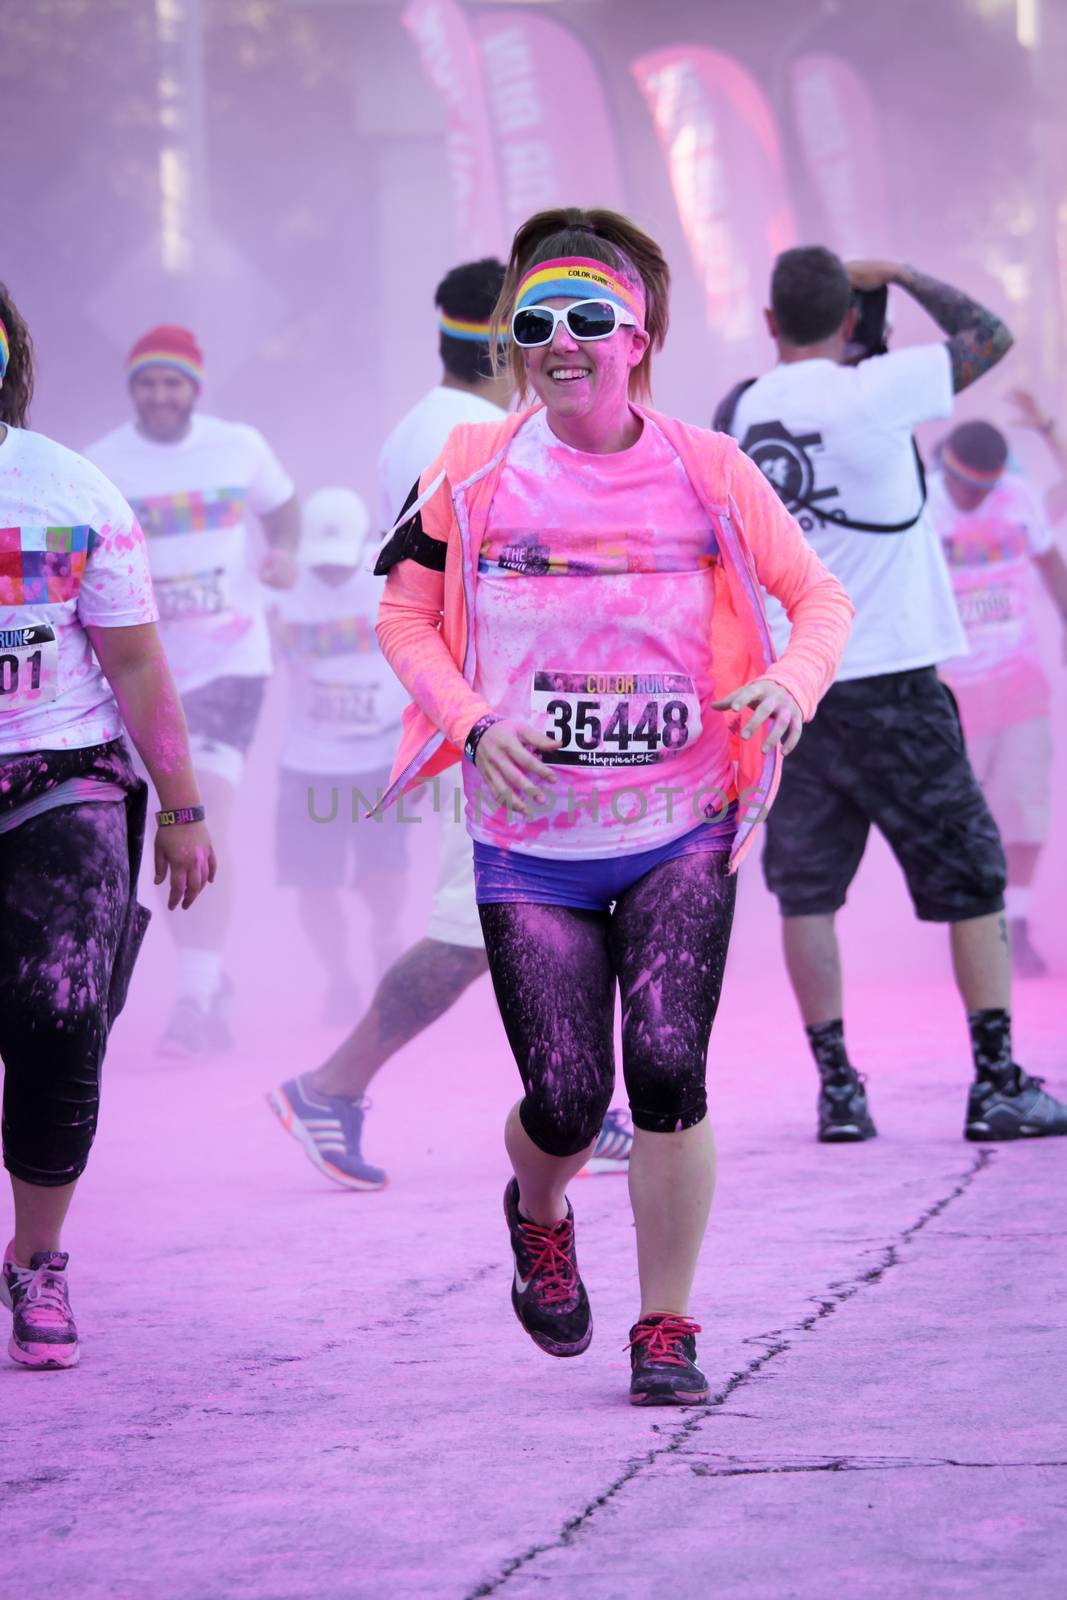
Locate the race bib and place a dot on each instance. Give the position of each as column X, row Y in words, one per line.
column 195, row 594
column 29, row 667
column 345, row 708
column 991, row 607
column 615, row 719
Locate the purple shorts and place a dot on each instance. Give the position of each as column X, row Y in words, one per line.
column 514, row 877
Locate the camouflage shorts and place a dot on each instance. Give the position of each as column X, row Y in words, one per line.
column 889, row 751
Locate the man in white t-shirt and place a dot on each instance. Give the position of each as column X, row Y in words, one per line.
column 995, row 537
column 885, row 747
column 193, row 481
column 341, row 731
column 325, row 1109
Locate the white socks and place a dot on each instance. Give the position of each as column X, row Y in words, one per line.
column 199, row 975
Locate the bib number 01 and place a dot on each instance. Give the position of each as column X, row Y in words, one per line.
column 29, row 667
column 615, row 719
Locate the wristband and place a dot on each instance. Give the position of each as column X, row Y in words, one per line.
column 174, row 819
column 474, row 738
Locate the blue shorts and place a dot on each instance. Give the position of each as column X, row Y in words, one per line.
column 514, row 877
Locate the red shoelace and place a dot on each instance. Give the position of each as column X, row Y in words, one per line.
column 548, row 1249
column 661, row 1339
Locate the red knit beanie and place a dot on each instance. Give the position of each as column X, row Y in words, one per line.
column 168, row 346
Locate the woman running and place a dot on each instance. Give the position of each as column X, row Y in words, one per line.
column 79, row 656
column 574, row 602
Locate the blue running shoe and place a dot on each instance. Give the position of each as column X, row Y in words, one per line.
column 329, row 1128
column 611, row 1153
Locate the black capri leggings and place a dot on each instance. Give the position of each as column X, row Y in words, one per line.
column 554, row 970
column 64, row 898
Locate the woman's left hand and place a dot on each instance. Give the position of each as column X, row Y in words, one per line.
column 772, row 705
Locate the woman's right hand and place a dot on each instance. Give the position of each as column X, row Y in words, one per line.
column 506, row 761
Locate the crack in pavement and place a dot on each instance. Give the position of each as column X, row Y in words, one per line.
column 775, row 1343
column 870, row 1464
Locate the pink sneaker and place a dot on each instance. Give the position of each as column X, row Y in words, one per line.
column 43, row 1333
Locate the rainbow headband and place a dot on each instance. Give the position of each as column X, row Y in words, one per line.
column 456, row 328
column 5, row 350
column 581, row 279
column 166, row 358
column 975, row 475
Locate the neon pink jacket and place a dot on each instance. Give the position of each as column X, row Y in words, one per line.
column 424, row 621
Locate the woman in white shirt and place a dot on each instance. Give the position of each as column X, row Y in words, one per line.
column 79, row 657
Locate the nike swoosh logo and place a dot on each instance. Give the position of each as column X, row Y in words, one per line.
column 522, row 1284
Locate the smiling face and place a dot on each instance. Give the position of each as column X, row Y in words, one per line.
column 585, row 379
column 164, row 399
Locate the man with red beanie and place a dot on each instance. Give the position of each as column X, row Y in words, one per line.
column 193, row 480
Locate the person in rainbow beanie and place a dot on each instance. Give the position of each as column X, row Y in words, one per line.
column 197, row 483
column 995, row 535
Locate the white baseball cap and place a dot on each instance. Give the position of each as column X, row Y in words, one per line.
column 335, row 525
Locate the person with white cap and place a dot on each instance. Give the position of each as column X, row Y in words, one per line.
column 342, row 725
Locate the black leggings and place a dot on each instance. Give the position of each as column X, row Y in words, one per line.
column 64, row 899
column 555, row 969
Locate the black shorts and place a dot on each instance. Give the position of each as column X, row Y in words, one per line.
column 324, row 840
column 889, row 751
column 225, row 711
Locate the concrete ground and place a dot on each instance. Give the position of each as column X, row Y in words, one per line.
column 291, row 1391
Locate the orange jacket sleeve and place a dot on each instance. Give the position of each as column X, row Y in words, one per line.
column 409, row 632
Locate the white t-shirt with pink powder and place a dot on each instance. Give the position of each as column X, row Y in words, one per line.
column 990, row 553
column 193, row 500
column 71, row 555
column 593, row 621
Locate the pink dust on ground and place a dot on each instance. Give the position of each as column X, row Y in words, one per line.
column 289, row 1390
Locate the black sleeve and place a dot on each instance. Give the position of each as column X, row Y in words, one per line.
column 411, row 543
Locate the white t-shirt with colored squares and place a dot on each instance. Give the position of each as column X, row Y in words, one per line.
column 71, row 556
column 345, row 701
column 193, row 500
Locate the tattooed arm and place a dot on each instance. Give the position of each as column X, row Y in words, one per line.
column 977, row 337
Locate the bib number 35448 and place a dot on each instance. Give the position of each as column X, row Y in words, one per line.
column 615, row 719
column 29, row 667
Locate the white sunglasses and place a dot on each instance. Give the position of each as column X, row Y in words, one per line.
column 585, row 320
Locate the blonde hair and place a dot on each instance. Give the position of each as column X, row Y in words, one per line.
column 605, row 236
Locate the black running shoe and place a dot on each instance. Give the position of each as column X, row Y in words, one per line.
column 843, row 1114
column 548, row 1295
column 663, row 1362
column 1015, row 1107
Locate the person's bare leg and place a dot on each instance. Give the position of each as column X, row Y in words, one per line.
column 425, row 983
column 542, row 1178
column 383, row 895
column 40, row 1211
column 981, row 960
column 813, row 961
column 1022, row 868
column 322, row 918
column 1022, row 864
column 672, row 1182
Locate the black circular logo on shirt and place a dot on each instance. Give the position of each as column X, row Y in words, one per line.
column 783, row 459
